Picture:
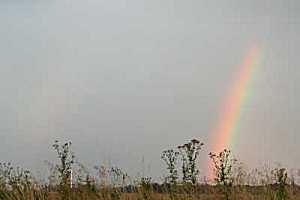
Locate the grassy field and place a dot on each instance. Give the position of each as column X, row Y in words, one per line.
column 203, row 192
column 68, row 179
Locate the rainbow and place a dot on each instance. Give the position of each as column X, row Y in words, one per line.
column 226, row 131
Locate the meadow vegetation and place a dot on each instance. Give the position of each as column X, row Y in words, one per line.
column 69, row 179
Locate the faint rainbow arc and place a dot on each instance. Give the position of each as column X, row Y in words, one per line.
column 227, row 128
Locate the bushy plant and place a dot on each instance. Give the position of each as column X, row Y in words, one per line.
column 66, row 158
column 223, row 163
column 189, row 153
column 64, row 168
column 145, row 188
column 17, row 183
column 170, row 157
column 280, row 176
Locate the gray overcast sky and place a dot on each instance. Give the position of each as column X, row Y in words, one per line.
column 126, row 79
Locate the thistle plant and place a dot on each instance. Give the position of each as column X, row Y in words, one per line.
column 11, row 177
column 223, row 164
column 189, row 154
column 145, row 188
column 280, row 176
column 102, row 173
column 118, row 177
column 66, row 158
column 170, row 157
column 6, row 171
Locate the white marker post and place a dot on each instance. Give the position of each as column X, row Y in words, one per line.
column 71, row 178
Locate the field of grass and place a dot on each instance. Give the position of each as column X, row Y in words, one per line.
column 69, row 179
column 203, row 192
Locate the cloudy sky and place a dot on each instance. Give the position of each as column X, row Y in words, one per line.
column 125, row 79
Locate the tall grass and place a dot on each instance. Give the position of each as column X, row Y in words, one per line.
column 70, row 180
